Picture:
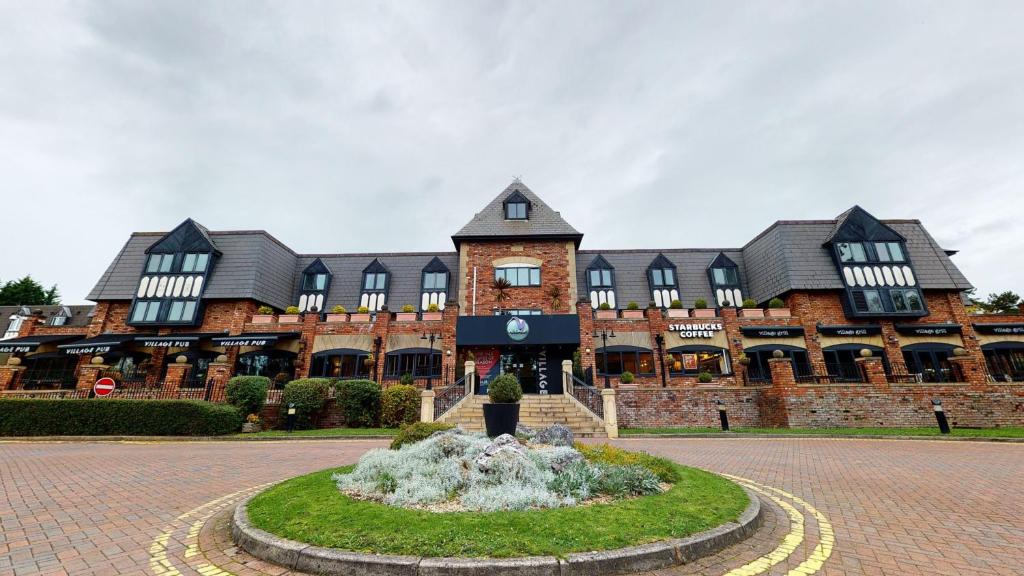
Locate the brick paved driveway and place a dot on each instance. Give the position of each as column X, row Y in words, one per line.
column 897, row 507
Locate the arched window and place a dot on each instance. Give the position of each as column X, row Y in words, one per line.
column 342, row 363
column 692, row 360
column 930, row 362
column 615, row 360
column 417, row 362
column 1005, row 361
column 841, row 361
column 278, row 365
column 758, row 370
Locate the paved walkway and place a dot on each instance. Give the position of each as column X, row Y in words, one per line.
column 894, row 507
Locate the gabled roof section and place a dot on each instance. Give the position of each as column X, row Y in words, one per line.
column 857, row 225
column 660, row 261
column 435, row 265
column 375, row 267
column 517, row 196
column 543, row 222
column 189, row 236
column 722, row 261
column 317, row 267
column 599, row 263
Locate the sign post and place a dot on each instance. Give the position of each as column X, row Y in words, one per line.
column 103, row 387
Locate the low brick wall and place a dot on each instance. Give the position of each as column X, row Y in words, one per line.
column 331, row 416
column 690, row 407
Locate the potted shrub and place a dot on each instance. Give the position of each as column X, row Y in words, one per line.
column 704, row 377
column 701, row 310
column 362, row 315
column 338, row 314
column 750, row 309
column 501, row 414
column 676, row 310
column 627, row 377
column 605, row 312
column 777, row 309
column 291, row 314
column 632, row 311
column 407, row 314
column 264, row 315
column 433, row 313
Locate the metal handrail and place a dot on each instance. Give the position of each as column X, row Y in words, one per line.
column 446, row 398
column 589, row 396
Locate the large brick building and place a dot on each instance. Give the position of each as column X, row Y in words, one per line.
column 848, row 321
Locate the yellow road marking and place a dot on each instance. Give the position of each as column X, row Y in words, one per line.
column 784, row 550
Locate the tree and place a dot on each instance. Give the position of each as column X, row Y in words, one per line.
column 1003, row 303
column 27, row 292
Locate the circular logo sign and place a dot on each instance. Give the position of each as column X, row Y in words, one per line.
column 104, row 386
column 517, row 329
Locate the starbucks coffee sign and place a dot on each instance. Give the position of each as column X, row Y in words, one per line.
column 696, row 330
column 517, row 329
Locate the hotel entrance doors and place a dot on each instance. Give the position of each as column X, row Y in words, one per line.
column 539, row 368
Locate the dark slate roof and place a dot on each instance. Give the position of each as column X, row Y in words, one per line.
column 543, row 221
column 81, row 314
column 404, row 282
column 631, row 272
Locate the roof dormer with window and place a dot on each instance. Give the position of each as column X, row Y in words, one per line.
column 376, row 280
column 516, row 206
column 173, row 278
column 434, row 284
column 876, row 270
column 661, row 277
column 724, row 276
column 601, row 283
column 316, row 282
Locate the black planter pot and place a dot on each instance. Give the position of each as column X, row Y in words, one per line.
column 501, row 419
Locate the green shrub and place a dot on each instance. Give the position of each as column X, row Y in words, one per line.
column 632, row 306
column 264, row 310
column 749, row 303
column 433, row 308
column 418, row 431
column 399, row 405
column 338, row 309
column 248, row 393
column 628, row 480
column 704, row 377
column 776, row 303
column 664, row 469
column 676, row 304
column 406, row 379
column 308, row 395
column 362, row 310
column 408, row 308
column 360, row 399
column 604, row 306
column 627, row 377
column 700, row 303
column 505, row 389
column 105, row 417
column 291, row 310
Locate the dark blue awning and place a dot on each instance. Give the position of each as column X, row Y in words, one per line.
column 511, row 330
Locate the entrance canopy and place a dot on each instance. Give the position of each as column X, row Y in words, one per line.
column 100, row 344
column 510, row 330
column 32, row 343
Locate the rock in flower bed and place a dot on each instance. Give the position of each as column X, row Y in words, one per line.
column 456, row 471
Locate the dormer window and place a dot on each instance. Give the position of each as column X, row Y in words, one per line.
column 374, row 286
column 724, row 276
column 661, row 276
column 171, row 285
column 434, row 284
column 517, row 206
column 601, row 283
column 316, row 280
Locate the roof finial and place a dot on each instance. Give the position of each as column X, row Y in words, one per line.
column 517, row 179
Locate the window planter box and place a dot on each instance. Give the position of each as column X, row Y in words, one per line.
column 704, row 313
column 359, row 317
column 405, row 316
column 633, row 314
column 751, row 313
column 606, row 314
column 777, row 313
column 432, row 316
column 337, row 317
column 262, row 318
column 289, row 318
column 678, row 313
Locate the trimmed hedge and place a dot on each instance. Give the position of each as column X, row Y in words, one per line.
column 400, row 405
column 101, row 417
column 248, row 393
column 360, row 400
column 308, row 395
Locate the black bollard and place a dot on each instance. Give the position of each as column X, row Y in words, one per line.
column 940, row 416
column 291, row 417
column 722, row 416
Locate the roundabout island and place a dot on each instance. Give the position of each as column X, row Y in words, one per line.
column 460, row 503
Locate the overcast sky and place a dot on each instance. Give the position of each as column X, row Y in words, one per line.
column 361, row 127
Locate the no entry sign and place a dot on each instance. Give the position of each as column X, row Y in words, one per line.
column 104, row 386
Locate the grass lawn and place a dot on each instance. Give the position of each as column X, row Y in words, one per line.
column 932, row 431
column 340, row 432
column 311, row 509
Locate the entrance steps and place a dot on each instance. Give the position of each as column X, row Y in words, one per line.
column 536, row 411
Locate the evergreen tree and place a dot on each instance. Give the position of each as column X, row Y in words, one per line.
column 1005, row 302
column 27, row 292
